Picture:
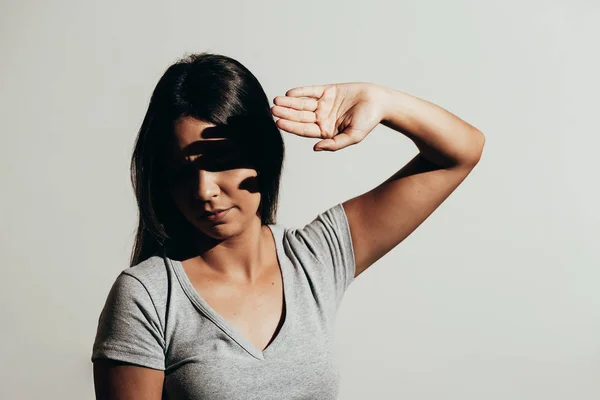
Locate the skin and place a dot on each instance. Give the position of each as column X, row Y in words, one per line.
column 238, row 256
column 344, row 114
column 232, row 248
column 235, row 266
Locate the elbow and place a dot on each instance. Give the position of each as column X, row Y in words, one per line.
column 475, row 148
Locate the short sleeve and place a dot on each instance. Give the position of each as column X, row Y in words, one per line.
column 328, row 238
column 128, row 328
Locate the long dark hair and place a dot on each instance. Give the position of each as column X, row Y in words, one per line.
column 215, row 89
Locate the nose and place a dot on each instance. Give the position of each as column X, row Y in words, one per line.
column 206, row 186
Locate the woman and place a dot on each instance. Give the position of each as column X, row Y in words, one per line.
column 222, row 303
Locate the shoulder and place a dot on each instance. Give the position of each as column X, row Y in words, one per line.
column 326, row 238
column 323, row 248
column 152, row 269
column 330, row 223
column 150, row 275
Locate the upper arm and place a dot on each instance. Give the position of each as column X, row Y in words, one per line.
column 128, row 352
column 119, row 381
column 328, row 242
column 384, row 216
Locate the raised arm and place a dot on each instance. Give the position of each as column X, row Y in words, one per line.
column 343, row 114
column 449, row 149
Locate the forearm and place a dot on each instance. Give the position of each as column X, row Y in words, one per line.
column 441, row 137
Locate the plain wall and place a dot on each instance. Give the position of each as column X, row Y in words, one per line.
column 495, row 296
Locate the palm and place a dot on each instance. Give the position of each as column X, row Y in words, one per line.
column 340, row 114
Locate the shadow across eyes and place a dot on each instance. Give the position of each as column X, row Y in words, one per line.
column 222, row 148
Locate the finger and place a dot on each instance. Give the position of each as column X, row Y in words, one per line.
column 337, row 142
column 306, row 91
column 300, row 128
column 293, row 115
column 298, row 103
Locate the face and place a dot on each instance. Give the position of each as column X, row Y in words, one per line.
column 207, row 170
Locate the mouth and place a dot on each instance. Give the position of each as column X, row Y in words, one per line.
column 218, row 215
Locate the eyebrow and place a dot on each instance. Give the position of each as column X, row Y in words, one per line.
column 201, row 147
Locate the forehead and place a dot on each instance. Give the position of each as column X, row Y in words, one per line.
column 188, row 130
column 193, row 138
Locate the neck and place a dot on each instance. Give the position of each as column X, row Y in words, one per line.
column 241, row 257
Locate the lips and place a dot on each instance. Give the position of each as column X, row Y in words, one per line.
column 215, row 215
column 206, row 212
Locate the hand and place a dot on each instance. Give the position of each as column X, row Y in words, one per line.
column 340, row 114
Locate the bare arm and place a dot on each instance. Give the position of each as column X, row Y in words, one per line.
column 344, row 114
column 120, row 381
column 449, row 149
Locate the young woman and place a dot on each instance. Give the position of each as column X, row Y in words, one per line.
column 220, row 302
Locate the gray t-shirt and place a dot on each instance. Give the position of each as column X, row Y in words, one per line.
column 154, row 317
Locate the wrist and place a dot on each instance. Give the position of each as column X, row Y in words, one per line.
column 386, row 99
column 393, row 104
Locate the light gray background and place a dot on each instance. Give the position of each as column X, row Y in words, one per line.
column 494, row 297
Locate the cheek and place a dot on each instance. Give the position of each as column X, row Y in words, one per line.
column 179, row 199
column 243, row 191
column 234, row 185
column 247, row 181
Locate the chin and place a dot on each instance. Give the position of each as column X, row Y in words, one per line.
column 232, row 225
column 219, row 231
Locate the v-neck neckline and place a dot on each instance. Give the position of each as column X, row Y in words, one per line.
column 223, row 324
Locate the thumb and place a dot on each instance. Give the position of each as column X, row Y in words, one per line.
column 339, row 141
